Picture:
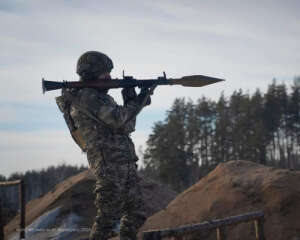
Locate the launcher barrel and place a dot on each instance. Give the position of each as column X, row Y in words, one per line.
column 187, row 81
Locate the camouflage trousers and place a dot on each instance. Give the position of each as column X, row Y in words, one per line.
column 118, row 197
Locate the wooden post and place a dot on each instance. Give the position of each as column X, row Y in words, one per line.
column 221, row 233
column 10, row 183
column 1, row 223
column 22, row 205
column 219, row 225
column 22, row 209
column 259, row 229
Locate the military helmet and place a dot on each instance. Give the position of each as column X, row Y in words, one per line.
column 92, row 63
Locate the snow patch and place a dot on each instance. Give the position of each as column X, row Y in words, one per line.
column 51, row 226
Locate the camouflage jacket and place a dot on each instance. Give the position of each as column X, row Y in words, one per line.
column 103, row 124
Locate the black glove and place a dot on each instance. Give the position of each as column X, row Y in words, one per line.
column 128, row 94
column 144, row 92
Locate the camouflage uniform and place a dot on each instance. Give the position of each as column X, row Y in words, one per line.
column 105, row 127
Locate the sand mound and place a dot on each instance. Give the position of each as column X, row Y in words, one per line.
column 74, row 197
column 235, row 188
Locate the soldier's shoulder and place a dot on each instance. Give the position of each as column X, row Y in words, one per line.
column 61, row 103
column 88, row 94
column 91, row 94
column 66, row 98
column 85, row 92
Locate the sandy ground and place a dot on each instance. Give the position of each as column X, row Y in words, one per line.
column 235, row 188
column 232, row 188
column 75, row 200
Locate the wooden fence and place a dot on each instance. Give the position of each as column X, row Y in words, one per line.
column 219, row 225
column 22, row 205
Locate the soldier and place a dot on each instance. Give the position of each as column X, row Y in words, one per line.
column 102, row 129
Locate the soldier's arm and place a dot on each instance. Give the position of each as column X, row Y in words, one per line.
column 129, row 94
column 108, row 111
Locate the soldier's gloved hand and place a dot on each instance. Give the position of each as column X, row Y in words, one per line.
column 128, row 94
column 143, row 93
column 146, row 91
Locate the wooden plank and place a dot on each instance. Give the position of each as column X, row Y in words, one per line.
column 158, row 234
column 259, row 229
column 10, row 183
column 256, row 229
column 22, row 208
column 221, row 233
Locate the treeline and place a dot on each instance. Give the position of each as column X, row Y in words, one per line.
column 37, row 183
column 196, row 136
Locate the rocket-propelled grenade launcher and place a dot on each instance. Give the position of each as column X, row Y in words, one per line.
column 129, row 81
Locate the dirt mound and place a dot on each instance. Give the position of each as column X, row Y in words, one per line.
column 75, row 196
column 235, row 188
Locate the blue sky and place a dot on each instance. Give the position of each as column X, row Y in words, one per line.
column 246, row 42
